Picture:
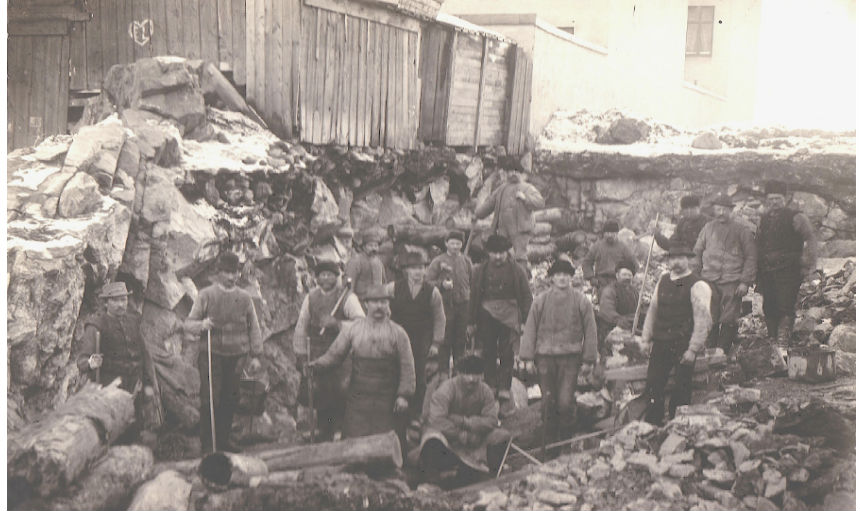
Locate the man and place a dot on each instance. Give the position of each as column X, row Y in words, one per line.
column 417, row 307
column 365, row 268
column 228, row 312
column 559, row 337
column 461, row 427
column 787, row 252
column 599, row 263
column 512, row 205
column 676, row 328
column 451, row 272
column 383, row 369
column 499, row 302
column 317, row 328
column 618, row 303
column 689, row 225
column 726, row 254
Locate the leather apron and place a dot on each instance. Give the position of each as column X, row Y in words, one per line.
column 371, row 396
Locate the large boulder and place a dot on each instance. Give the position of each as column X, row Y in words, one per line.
column 80, row 196
column 707, row 140
column 844, row 337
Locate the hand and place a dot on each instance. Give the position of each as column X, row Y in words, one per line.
column 587, row 368
column 742, row 289
column 529, row 367
column 401, row 404
column 313, row 364
column 330, row 322
column 521, row 196
column 206, row 324
column 96, row 360
column 688, row 358
column 448, row 284
column 148, row 390
column 254, row 365
column 470, row 330
column 434, row 350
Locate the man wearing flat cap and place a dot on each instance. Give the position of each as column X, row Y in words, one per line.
column 365, row 268
column 618, row 303
column 417, row 307
column 787, row 252
column 228, row 313
column 560, row 336
column 675, row 330
column 451, row 273
column 317, row 328
column 726, row 254
column 599, row 264
column 498, row 306
column 689, row 225
column 383, row 369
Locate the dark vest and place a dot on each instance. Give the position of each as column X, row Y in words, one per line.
column 122, row 346
column 498, row 282
column 779, row 244
column 320, row 306
column 674, row 309
column 414, row 315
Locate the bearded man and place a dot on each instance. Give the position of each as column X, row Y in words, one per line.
column 617, row 303
column 365, row 268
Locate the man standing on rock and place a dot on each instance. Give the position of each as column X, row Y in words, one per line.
column 498, row 305
column 560, row 336
column 317, row 328
column 228, row 312
column 418, row 308
column 787, row 252
column 451, row 272
column 676, row 327
column 383, row 369
column 726, row 254
column 618, row 303
column 512, row 205
column 689, row 226
column 365, row 268
column 599, row 264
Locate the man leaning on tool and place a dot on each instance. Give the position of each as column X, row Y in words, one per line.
column 227, row 311
column 676, row 328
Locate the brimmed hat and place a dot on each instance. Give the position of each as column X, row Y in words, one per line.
column 775, row 187
column 561, row 266
column 723, row 200
column 327, row 266
column 678, row 249
column 471, row 364
column 114, row 290
column 497, row 243
column 414, row 259
column 377, row 292
column 611, row 226
column 690, row 201
column 228, row 262
column 625, row 264
column 455, row 235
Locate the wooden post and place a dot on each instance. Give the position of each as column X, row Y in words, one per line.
column 481, row 92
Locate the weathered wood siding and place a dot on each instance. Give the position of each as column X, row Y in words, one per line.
column 435, row 67
column 519, row 105
column 122, row 31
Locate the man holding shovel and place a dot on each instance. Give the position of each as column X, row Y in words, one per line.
column 226, row 316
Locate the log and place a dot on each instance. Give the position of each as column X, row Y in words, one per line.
column 289, row 477
column 169, row 490
column 108, row 484
column 418, row 234
column 242, row 467
column 215, row 82
column 542, row 229
column 51, row 453
column 640, row 371
column 378, row 450
column 548, row 215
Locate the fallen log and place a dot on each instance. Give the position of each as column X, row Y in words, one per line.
column 289, row 477
column 227, row 469
column 168, row 490
column 542, row 229
column 215, row 82
column 109, row 483
column 548, row 215
column 51, row 453
column 640, row 371
column 381, row 449
column 418, row 234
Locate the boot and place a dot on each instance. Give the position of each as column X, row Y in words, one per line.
column 728, row 337
column 772, row 325
column 785, row 330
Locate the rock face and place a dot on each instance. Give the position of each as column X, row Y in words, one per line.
column 707, row 140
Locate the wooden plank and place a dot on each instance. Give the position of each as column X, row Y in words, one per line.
column 259, row 54
column 318, row 61
column 391, row 129
column 39, row 28
column 158, row 15
column 286, row 90
column 272, row 50
column 514, row 64
column 376, row 14
column 125, row 19
column 345, row 79
column 140, row 13
column 53, row 69
column 239, row 48
column 298, row 68
column 36, row 121
column 173, row 11
column 209, row 40
column 306, row 94
column 361, row 82
column 386, row 136
column 78, row 56
column 353, row 28
column 329, row 76
column 452, row 78
column 412, row 81
column 443, row 85
column 95, row 56
column 429, row 73
column 402, row 97
column 36, row 12
column 109, row 35
column 25, row 84
column 250, row 50
column 63, row 87
column 373, row 83
column 191, row 29
column 224, row 26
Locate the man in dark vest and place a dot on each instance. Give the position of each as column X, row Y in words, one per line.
column 787, row 252
column 499, row 304
column 317, row 328
column 689, row 225
column 617, row 304
column 676, row 329
column 451, row 272
column 417, row 307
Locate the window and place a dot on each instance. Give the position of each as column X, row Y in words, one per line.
column 700, row 29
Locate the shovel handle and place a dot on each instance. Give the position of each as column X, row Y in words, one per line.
column 98, row 351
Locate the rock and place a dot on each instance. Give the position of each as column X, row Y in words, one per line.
column 846, row 363
column 324, row 207
column 394, row 209
column 707, row 140
column 761, row 359
column 749, row 466
column 800, row 475
column 599, row 470
column 624, row 131
column 628, row 434
column 759, row 503
column 839, row 501
column 681, row 457
column 167, row 489
column 812, row 205
column 843, row 337
column 722, row 478
column 673, row 444
column 96, row 149
column 80, row 196
column 52, row 148
column 718, row 460
column 157, row 140
column 682, row 470
column 774, row 481
column 439, row 190
column 664, row 490
column 135, row 260
column 555, row 498
column 365, row 212
column 740, row 453
column 491, row 499
column 642, row 459
column 838, row 249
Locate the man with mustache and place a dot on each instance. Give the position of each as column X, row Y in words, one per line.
column 675, row 330
column 317, row 328
column 617, row 303
column 383, row 369
column 498, row 305
column 726, row 254
column 787, row 253
column 599, row 264
column 365, row 268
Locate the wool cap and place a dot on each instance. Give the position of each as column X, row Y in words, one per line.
column 497, row 243
column 114, row 290
column 625, row 264
column 325, row 265
column 228, row 262
column 561, row 266
column 611, row 226
column 723, row 200
column 455, row 235
column 414, row 259
column 377, row 292
column 678, row 249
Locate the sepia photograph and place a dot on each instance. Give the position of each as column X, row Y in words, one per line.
column 419, row 255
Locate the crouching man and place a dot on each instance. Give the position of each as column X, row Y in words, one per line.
column 461, row 430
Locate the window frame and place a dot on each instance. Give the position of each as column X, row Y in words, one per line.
column 698, row 21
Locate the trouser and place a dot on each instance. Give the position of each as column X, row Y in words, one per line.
column 520, row 248
column 558, row 375
column 725, row 311
column 497, row 351
column 225, row 385
column 779, row 290
column 666, row 356
column 420, row 341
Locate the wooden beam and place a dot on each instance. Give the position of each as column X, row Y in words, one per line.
column 481, row 92
column 450, row 85
column 42, row 27
column 47, row 12
column 367, row 12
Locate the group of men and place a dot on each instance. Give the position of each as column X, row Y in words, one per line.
column 369, row 348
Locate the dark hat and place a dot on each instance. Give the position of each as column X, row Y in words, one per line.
column 414, row 259
column 775, row 187
column 561, row 266
column 610, row 226
column 377, row 292
column 625, row 264
column 327, row 266
column 497, row 243
column 690, row 201
column 678, row 249
column 470, row 364
column 455, row 235
column 723, row 200
column 228, row 262
column 114, row 290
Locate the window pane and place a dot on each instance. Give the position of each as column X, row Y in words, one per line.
column 692, row 14
column 706, row 38
column 706, row 14
column 692, row 35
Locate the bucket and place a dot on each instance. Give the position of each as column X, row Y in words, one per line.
column 812, row 363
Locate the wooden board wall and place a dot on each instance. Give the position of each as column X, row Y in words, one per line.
column 122, row 31
column 519, row 104
column 434, row 70
column 37, row 93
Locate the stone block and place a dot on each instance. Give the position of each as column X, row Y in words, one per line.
column 80, row 196
column 665, row 490
column 774, row 482
column 740, row 452
column 556, row 498
column 844, row 337
column 681, row 457
column 707, row 140
column 599, row 470
column 673, row 444
column 682, row 470
column 722, row 478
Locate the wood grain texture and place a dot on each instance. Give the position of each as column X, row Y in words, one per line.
column 78, row 56
column 224, row 25
column 251, row 45
column 209, row 39
column 239, row 42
